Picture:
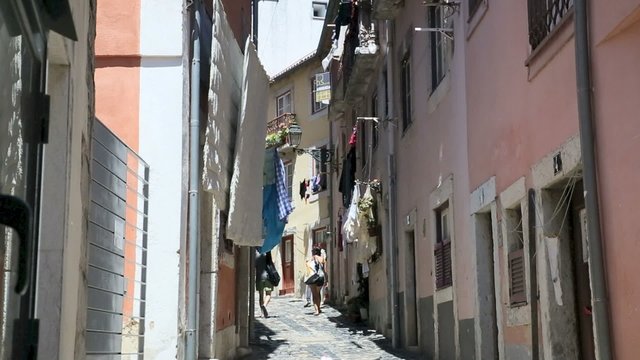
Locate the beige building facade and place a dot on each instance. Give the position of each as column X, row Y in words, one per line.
column 292, row 99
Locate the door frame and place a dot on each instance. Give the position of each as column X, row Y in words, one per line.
column 285, row 276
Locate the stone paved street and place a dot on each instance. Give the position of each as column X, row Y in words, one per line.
column 292, row 332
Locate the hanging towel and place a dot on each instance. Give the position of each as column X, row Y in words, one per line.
column 273, row 226
column 284, row 202
column 244, row 225
column 352, row 224
column 225, row 91
column 269, row 171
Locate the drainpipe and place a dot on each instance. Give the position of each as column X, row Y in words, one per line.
column 193, row 229
column 589, row 176
column 393, row 249
column 332, row 223
column 533, row 296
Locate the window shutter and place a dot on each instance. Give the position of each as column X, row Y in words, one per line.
column 517, row 284
column 442, row 257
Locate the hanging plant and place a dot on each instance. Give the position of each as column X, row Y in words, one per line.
column 277, row 138
column 367, row 209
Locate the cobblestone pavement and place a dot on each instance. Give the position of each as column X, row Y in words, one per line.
column 292, row 332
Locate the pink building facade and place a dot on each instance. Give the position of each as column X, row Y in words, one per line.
column 484, row 230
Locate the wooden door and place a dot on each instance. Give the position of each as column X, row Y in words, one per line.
column 288, row 283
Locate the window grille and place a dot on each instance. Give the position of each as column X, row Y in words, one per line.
column 544, row 16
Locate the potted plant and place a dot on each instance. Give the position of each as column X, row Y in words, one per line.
column 277, row 138
column 367, row 209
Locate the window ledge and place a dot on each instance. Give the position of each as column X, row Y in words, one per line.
column 439, row 93
column 550, row 46
column 476, row 18
column 518, row 315
column 444, row 294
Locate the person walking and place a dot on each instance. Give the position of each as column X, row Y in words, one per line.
column 317, row 279
column 263, row 285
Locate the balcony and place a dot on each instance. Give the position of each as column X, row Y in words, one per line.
column 386, row 9
column 278, row 129
column 361, row 56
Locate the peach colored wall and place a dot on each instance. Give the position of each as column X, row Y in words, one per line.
column 117, row 75
column 226, row 315
column 118, row 27
column 117, row 97
column 616, row 55
column 239, row 16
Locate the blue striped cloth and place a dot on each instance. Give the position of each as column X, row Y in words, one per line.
column 284, row 203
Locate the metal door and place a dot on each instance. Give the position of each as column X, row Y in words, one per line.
column 20, row 171
column 116, row 275
column 288, row 283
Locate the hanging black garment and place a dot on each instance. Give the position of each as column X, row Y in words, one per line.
column 303, row 188
column 348, row 177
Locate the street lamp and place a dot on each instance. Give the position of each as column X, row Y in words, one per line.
column 295, row 137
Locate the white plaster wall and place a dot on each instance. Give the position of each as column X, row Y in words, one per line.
column 287, row 32
column 161, row 28
column 161, row 148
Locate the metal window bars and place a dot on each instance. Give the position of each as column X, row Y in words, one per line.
column 544, row 16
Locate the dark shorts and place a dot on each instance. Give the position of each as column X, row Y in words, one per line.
column 265, row 285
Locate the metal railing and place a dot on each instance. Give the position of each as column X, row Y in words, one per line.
column 544, row 16
column 282, row 122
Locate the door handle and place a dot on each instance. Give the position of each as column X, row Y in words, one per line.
column 16, row 214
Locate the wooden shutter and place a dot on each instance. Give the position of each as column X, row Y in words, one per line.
column 442, row 257
column 517, row 284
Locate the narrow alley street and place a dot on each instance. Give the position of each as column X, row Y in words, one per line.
column 292, row 332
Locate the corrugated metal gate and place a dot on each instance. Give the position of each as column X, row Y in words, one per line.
column 117, row 249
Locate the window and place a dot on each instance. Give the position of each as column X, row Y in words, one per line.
column 289, row 169
column 544, row 16
column 362, row 139
column 473, row 6
column 515, row 243
column 442, row 249
column 319, row 10
column 283, row 104
column 374, row 113
column 319, row 237
column 441, row 45
column 320, row 92
column 406, row 91
column 319, row 179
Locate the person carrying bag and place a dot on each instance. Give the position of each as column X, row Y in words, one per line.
column 317, row 278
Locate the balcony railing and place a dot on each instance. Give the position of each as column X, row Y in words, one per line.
column 544, row 16
column 282, row 122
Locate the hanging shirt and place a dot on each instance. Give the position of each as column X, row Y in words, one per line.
column 284, row 202
column 352, row 224
column 348, row 177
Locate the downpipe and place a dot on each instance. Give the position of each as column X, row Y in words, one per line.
column 589, row 177
column 393, row 249
column 193, row 293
